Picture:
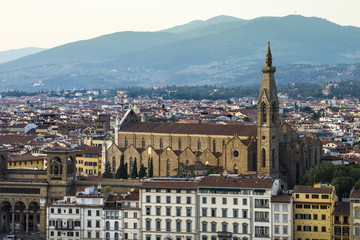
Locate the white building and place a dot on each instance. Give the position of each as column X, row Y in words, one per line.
column 75, row 217
column 282, row 226
column 169, row 210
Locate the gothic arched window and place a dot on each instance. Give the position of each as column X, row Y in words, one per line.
column 131, row 164
column 199, row 144
column 143, row 142
column 214, row 145
column 263, row 157
column 273, row 157
column 161, row 143
column 273, row 116
column 126, row 141
column 179, row 143
column 263, row 112
column 114, row 164
column 168, row 168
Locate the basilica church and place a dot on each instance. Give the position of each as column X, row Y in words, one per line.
column 269, row 148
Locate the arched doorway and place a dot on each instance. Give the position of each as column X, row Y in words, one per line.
column 5, row 217
column 34, row 217
column 20, row 216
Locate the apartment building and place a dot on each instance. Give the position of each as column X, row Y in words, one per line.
column 131, row 216
column 169, row 209
column 77, row 217
column 341, row 221
column 355, row 214
column 234, row 207
column 313, row 206
column 282, row 227
column 112, row 217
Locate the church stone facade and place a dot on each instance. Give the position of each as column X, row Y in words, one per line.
column 270, row 148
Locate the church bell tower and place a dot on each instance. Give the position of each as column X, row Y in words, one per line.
column 268, row 122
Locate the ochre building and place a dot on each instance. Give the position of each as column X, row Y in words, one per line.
column 269, row 148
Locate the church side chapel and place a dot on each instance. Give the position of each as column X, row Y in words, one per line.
column 269, row 148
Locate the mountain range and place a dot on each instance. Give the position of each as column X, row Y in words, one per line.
column 223, row 50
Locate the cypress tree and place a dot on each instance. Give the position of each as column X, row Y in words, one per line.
column 134, row 172
column 122, row 167
column 151, row 169
column 126, row 176
column 107, row 171
column 142, row 171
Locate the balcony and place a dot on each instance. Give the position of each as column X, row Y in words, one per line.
column 64, row 227
column 264, row 235
column 262, row 205
column 261, row 219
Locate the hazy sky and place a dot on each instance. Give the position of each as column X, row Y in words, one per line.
column 49, row 23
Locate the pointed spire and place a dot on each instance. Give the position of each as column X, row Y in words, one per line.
column 268, row 58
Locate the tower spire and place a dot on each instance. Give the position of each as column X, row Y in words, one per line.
column 268, row 58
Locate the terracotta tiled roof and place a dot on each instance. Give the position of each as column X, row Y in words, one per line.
column 201, row 129
column 310, row 189
column 170, row 184
column 281, row 198
column 25, row 157
column 342, row 208
column 236, row 182
column 355, row 193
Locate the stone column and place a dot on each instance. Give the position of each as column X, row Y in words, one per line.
column 42, row 220
column 13, row 222
column 35, row 216
column 27, row 222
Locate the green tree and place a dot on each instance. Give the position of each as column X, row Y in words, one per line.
column 184, row 170
column 106, row 189
column 122, row 167
column 151, row 168
column 246, row 119
column 134, row 172
column 107, row 171
column 211, row 170
column 126, row 175
column 343, row 186
column 142, row 171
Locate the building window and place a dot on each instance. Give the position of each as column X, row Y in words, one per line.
column 148, row 224
column 285, row 230
column 158, row 211
column 188, row 212
column 224, row 212
column 126, row 141
column 116, row 225
column 235, row 228
column 213, row 200
column 168, row 168
column 235, row 201
column 263, row 111
column 168, row 225
column 143, row 142
column 178, row 225
column 188, row 226
column 158, row 224
column 179, row 143
column 276, row 229
column 214, row 145
column 148, row 199
column 168, row 211
column 89, row 212
column 204, row 212
column 224, row 227
column 204, row 200
column 161, row 143
column 178, row 211
column 285, row 218
column 263, row 157
column 114, row 164
column 199, row 144
column 204, row 226
column 224, row 201
column 158, row 199
column 213, row 212
column 244, row 228
column 285, row 208
column 235, row 213
column 213, row 227
column 188, row 200
column 178, row 199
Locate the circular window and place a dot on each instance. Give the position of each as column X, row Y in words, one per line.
column 236, row 153
column 263, row 137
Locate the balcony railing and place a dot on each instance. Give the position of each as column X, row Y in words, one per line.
column 260, row 219
column 262, row 205
column 261, row 235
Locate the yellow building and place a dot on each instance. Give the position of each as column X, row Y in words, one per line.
column 341, row 221
column 88, row 161
column 313, row 206
column 355, row 214
column 26, row 161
